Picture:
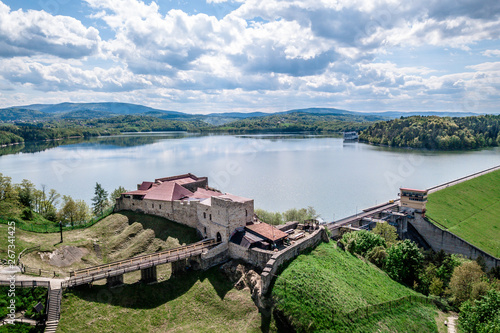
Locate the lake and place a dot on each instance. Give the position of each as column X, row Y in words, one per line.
column 278, row 171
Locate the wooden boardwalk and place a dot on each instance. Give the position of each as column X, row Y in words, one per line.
column 90, row 274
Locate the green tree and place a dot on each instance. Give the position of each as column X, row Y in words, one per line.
column 362, row 241
column 387, row 231
column 82, row 212
column 482, row 315
column 100, row 199
column 300, row 215
column 269, row 217
column 436, row 287
column 377, row 256
column 404, row 262
column 463, row 280
column 9, row 199
column 117, row 193
column 26, row 191
column 68, row 212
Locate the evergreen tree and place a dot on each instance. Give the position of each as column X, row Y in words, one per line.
column 100, row 199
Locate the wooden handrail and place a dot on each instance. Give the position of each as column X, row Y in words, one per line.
column 138, row 259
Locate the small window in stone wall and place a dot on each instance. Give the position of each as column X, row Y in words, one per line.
column 246, row 212
column 152, row 205
column 160, row 206
column 204, row 215
column 210, row 217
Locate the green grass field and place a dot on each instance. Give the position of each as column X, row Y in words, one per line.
column 195, row 302
column 317, row 290
column 470, row 210
column 121, row 235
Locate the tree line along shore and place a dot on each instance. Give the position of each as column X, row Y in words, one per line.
column 421, row 132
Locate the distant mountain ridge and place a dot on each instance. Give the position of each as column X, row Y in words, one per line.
column 39, row 112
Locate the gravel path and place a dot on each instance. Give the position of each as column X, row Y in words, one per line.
column 451, row 324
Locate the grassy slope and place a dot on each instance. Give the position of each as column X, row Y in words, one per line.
column 195, row 302
column 327, row 283
column 471, row 210
column 110, row 233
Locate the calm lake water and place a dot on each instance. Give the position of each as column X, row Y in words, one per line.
column 278, row 171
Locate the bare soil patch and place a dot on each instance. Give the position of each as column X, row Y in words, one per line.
column 64, row 256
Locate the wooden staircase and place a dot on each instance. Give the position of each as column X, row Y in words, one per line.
column 53, row 310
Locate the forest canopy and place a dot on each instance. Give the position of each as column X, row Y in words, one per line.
column 441, row 133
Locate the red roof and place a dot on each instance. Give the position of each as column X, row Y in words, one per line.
column 267, row 231
column 181, row 179
column 413, row 190
column 234, row 198
column 137, row 192
column 202, row 193
column 145, row 186
column 168, row 191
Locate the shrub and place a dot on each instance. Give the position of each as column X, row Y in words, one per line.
column 404, row 261
column 362, row 241
column 481, row 315
column 463, row 279
column 436, row 287
column 387, row 231
column 377, row 256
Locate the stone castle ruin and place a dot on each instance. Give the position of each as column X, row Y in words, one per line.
column 229, row 219
column 188, row 200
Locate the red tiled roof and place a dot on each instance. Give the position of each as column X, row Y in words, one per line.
column 168, row 191
column 267, row 231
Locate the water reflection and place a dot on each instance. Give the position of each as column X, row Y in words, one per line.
column 279, row 171
column 123, row 140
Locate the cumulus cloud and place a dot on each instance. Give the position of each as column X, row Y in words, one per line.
column 64, row 77
column 32, row 32
column 491, row 53
column 304, row 51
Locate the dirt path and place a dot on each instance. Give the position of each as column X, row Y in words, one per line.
column 452, row 320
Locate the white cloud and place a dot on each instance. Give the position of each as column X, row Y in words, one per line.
column 303, row 52
column 37, row 32
column 491, row 53
column 64, row 77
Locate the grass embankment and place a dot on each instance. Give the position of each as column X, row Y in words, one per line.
column 317, row 291
column 194, row 302
column 118, row 236
column 470, row 210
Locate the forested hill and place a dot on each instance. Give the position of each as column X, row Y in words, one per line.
column 299, row 122
column 436, row 133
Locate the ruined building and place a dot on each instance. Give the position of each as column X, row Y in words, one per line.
column 188, row 200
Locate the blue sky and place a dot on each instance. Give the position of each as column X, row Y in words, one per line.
column 255, row 55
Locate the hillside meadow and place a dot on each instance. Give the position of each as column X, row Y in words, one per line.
column 470, row 210
column 322, row 290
